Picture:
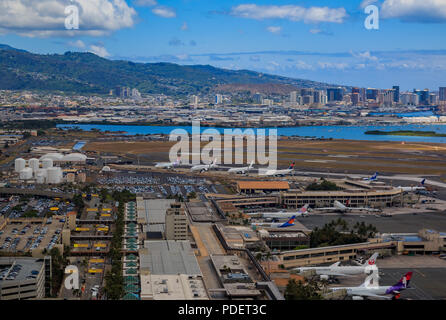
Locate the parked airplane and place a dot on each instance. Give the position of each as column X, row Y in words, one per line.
column 277, row 173
column 339, row 207
column 368, row 290
column 204, row 167
column 372, row 178
column 168, row 165
column 303, row 212
column 242, row 170
column 335, row 270
column 289, row 223
column 411, row 189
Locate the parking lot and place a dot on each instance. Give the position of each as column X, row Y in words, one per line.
column 160, row 185
column 30, row 234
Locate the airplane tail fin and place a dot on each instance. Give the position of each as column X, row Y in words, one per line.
column 372, row 260
column 405, row 280
column 251, row 164
column 292, row 165
column 304, row 209
column 290, row 222
column 422, row 182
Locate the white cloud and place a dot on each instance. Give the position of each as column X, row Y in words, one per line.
column 415, row 10
column 99, row 50
column 77, row 44
column 45, row 18
column 290, row 12
column 273, row 29
column 164, row 12
column 366, row 55
column 333, row 65
column 146, row 3
column 302, row 65
column 366, row 3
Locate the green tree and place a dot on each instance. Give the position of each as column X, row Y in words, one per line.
column 297, row 290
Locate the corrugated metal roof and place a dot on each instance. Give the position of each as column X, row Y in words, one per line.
column 263, row 185
column 170, row 257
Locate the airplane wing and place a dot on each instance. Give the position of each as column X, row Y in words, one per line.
column 326, row 209
column 336, row 264
column 335, row 274
column 372, row 295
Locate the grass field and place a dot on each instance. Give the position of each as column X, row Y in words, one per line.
column 336, row 155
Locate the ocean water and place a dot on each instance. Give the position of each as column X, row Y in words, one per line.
column 335, row 132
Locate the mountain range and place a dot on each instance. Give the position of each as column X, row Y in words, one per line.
column 87, row 73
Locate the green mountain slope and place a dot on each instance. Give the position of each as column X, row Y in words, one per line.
column 87, row 73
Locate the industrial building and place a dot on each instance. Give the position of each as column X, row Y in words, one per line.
column 151, row 214
column 169, row 270
column 252, row 187
column 234, row 277
column 370, row 198
column 24, row 278
column 424, row 242
column 168, row 257
column 176, row 223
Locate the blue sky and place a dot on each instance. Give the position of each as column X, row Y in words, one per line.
column 322, row 40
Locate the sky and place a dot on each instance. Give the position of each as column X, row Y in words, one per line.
column 321, row 40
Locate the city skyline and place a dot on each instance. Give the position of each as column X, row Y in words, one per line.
column 317, row 40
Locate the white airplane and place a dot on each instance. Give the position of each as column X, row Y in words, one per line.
column 339, row 207
column 277, row 173
column 168, row 165
column 303, row 212
column 335, row 270
column 289, row 223
column 372, row 178
column 204, row 167
column 242, row 170
column 370, row 290
column 412, row 189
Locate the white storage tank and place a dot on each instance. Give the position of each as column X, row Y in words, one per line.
column 26, row 174
column 41, row 175
column 47, row 163
column 34, row 164
column 71, row 177
column 54, row 156
column 74, row 157
column 19, row 165
column 54, row 175
column 40, row 179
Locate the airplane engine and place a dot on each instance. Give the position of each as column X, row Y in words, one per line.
column 324, row 277
column 357, row 298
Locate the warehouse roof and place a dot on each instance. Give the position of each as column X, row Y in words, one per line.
column 263, row 185
column 169, row 257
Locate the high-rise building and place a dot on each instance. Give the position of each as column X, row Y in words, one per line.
column 176, row 222
column 194, row 100
column 423, row 96
column 335, row 94
column 355, row 99
column 386, row 97
column 433, row 99
column 307, row 99
column 257, row 98
column 317, row 97
column 442, row 93
column 293, row 97
column 410, row 99
column 396, row 94
column 218, row 98
column 372, row 94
